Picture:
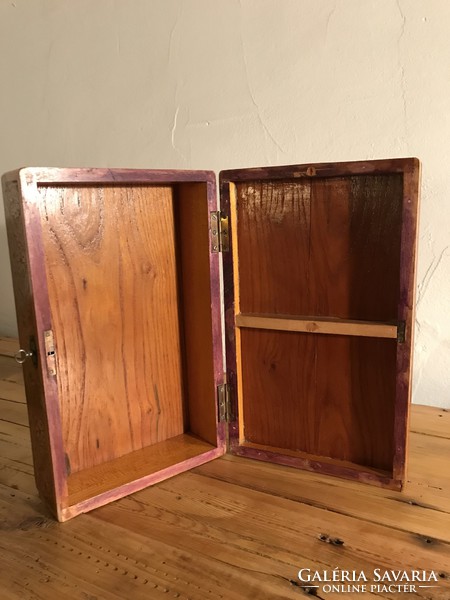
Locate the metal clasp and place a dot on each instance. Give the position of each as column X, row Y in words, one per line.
column 22, row 355
column 50, row 352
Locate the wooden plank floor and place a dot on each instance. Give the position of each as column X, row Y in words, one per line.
column 231, row 529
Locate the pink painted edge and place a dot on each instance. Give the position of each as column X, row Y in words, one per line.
column 137, row 485
column 406, row 312
column 30, row 178
column 56, row 175
column 216, row 316
column 230, row 342
column 331, row 169
column 41, row 303
column 317, row 466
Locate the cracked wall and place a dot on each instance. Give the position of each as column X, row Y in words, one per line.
column 215, row 85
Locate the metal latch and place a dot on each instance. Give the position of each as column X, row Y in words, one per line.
column 50, row 355
column 220, row 237
column 223, row 400
column 22, row 355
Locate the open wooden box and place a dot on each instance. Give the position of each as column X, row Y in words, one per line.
column 117, row 286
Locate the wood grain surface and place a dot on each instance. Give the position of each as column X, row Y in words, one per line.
column 112, row 292
column 8, row 346
column 318, row 325
column 319, row 251
column 330, row 396
column 105, row 477
column 247, row 523
column 321, row 247
column 192, row 225
column 272, row 228
column 24, row 302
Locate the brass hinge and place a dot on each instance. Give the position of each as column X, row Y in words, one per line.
column 50, row 355
column 224, row 402
column 220, row 237
column 401, row 332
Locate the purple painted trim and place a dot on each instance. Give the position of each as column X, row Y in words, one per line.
column 361, row 167
column 26, row 321
column 216, row 314
column 406, row 312
column 138, row 484
column 31, row 179
column 375, row 167
column 361, row 474
column 230, row 341
column 41, row 303
column 76, row 176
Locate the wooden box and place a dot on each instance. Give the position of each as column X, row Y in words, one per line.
column 117, row 287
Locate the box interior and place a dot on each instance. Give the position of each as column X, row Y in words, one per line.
column 317, row 271
column 128, row 278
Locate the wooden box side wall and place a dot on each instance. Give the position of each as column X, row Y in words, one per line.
column 192, row 232
column 56, row 472
column 406, row 312
column 409, row 169
column 25, row 245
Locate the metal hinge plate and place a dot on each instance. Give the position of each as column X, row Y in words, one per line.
column 50, row 355
column 224, row 404
column 220, row 237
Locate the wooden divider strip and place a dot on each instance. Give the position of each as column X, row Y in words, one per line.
column 318, row 325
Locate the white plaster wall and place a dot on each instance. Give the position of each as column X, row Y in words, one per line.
column 225, row 83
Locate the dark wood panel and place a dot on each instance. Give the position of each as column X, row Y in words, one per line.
column 329, row 257
column 278, row 388
column 321, row 246
column 331, row 396
column 113, row 292
column 273, row 229
column 314, row 170
column 376, row 204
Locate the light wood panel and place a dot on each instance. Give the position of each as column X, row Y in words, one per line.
column 192, row 226
column 10, row 371
column 431, row 421
column 418, row 508
column 13, row 412
column 318, row 325
column 248, row 523
column 15, row 442
column 112, row 292
column 110, row 562
column 9, row 390
column 289, row 540
column 89, row 483
column 8, row 346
